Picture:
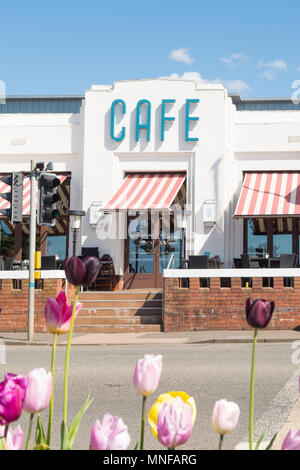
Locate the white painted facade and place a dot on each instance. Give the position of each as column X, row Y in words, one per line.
column 230, row 142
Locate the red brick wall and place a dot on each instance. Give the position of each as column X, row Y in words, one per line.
column 224, row 308
column 14, row 303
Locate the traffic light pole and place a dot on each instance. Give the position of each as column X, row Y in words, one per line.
column 32, row 239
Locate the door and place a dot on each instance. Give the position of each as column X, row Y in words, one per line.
column 151, row 244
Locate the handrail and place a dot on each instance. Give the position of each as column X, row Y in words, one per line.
column 172, row 259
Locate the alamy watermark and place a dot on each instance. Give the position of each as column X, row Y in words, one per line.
column 2, row 353
column 2, row 92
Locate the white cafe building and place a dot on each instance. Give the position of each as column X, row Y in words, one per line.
column 136, row 148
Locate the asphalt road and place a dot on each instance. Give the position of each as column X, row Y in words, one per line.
column 207, row 372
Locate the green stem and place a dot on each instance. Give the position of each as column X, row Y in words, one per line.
column 52, row 390
column 68, row 354
column 221, row 441
column 252, row 391
column 143, row 423
column 29, row 431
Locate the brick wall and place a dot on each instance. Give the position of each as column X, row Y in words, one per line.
column 224, row 308
column 14, row 303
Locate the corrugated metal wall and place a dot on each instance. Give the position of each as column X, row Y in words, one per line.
column 33, row 105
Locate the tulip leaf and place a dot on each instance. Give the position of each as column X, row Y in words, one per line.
column 2, row 444
column 269, row 446
column 42, row 447
column 260, row 440
column 40, row 438
column 137, row 447
column 76, row 422
column 64, row 436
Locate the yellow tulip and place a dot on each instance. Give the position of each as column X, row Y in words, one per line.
column 168, row 397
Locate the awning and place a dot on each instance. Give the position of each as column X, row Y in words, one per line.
column 143, row 191
column 4, row 188
column 269, row 195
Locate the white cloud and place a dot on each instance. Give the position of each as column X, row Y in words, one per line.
column 270, row 68
column 236, row 86
column 181, row 55
column 234, row 59
column 275, row 64
column 233, row 86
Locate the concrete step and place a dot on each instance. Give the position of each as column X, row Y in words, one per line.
column 119, row 295
column 118, row 329
column 121, row 303
column 119, row 312
column 133, row 320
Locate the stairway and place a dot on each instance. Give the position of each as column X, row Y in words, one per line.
column 131, row 311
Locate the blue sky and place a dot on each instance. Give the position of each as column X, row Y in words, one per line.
column 62, row 47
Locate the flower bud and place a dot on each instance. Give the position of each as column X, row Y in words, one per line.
column 225, row 416
column 111, row 434
column 259, row 312
column 147, row 374
column 38, row 391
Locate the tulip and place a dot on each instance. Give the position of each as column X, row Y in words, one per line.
column 81, row 270
column 111, row 434
column 14, row 439
column 224, row 418
column 292, row 440
column 38, row 391
column 12, row 394
column 259, row 312
column 146, row 379
column 174, row 423
column 169, row 398
column 59, row 314
column 147, row 374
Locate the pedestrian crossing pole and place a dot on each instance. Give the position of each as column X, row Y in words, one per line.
column 32, row 240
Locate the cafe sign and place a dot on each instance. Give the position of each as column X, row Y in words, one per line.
column 118, row 131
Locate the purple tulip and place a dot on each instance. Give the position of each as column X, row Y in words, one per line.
column 259, row 312
column 147, row 374
column 292, row 440
column 59, row 314
column 111, row 434
column 14, row 438
column 225, row 416
column 38, row 391
column 12, row 394
column 81, row 270
column 174, row 423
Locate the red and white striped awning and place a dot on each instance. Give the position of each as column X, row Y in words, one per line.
column 5, row 188
column 269, row 195
column 143, row 191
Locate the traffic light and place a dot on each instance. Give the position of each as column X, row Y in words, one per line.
column 47, row 199
column 15, row 197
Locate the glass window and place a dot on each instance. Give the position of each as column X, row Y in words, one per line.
column 6, row 240
column 282, row 244
column 257, row 237
column 56, row 245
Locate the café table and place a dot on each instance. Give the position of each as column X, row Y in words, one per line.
column 267, row 263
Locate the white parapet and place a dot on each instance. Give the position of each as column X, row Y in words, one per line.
column 193, row 273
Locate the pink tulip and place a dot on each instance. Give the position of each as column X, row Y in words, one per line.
column 38, row 392
column 147, row 374
column 112, row 434
column 14, row 439
column 174, row 423
column 12, row 393
column 225, row 416
column 59, row 314
column 292, row 440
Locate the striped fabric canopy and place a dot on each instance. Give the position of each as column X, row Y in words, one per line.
column 143, row 191
column 5, row 188
column 269, row 195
